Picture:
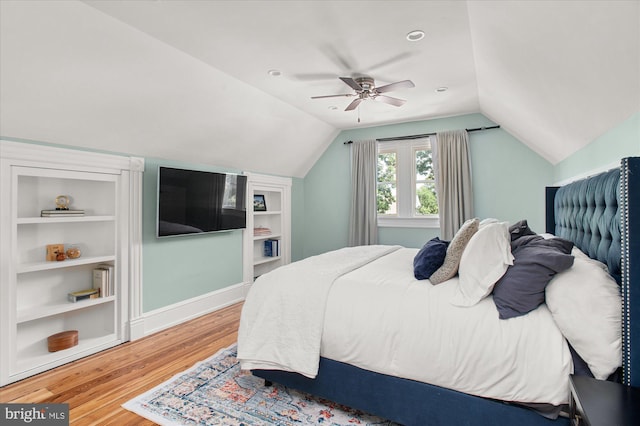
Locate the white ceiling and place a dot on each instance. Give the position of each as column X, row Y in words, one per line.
column 188, row 80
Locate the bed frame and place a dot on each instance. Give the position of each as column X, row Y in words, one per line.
column 601, row 215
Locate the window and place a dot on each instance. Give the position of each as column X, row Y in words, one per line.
column 406, row 184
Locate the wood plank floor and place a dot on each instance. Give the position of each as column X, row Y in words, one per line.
column 96, row 386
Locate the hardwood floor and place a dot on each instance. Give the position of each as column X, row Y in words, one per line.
column 96, row 386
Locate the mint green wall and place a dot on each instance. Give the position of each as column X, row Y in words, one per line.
column 179, row 268
column 621, row 141
column 509, row 181
column 297, row 219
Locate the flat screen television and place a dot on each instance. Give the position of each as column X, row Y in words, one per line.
column 193, row 202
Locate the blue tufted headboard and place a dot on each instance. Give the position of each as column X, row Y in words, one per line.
column 601, row 216
column 586, row 212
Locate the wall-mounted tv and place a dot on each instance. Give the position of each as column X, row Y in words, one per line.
column 192, row 202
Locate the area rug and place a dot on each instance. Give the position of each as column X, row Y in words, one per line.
column 217, row 392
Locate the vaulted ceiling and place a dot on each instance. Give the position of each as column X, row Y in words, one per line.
column 189, row 80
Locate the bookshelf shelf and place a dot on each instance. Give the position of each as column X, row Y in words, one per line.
column 52, row 220
column 60, row 308
column 268, row 213
column 69, row 263
column 264, row 259
column 267, row 237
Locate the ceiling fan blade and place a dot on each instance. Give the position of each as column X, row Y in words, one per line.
column 389, row 100
column 352, row 83
column 353, row 105
column 404, row 84
column 333, row 96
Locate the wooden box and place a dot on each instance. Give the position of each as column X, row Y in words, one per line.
column 65, row 340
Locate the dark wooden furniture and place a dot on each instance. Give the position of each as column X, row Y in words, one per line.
column 601, row 403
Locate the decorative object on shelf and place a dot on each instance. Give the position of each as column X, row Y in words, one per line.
column 62, row 202
column 259, row 203
column 61, row 256
column 73, row 252
column 90, row 293
column 261, row 231
column 64, row 340
column 53, row 250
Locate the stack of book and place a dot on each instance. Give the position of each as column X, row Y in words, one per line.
column 272, row 248
column 103, row 280
column 261, row 232
column 61, row 213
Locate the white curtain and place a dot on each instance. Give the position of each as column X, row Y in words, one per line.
column 452, row 167
column 363, row 225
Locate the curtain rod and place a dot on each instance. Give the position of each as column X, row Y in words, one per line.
column 399, row 138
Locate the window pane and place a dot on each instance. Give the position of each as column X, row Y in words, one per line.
column 426, row 200
column 387, row 198
column 424, row 165
column 387, row 178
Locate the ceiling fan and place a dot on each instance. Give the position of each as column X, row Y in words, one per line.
column 365, row 88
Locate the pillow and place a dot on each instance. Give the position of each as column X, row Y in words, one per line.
column 520, row 229
column 537, row 261
column 484, row 261
column 586, row 305
column 429, row 258
column 452, row 260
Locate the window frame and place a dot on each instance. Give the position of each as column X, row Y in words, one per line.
column 406, row 186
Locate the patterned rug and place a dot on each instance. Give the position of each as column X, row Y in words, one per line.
column 217, row 392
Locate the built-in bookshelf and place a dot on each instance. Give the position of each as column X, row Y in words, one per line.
column 35, row 292
column 268, row 233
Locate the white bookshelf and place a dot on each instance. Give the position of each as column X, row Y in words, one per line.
column 276, row 218
column 33, row 291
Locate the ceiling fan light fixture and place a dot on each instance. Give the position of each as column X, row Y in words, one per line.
column 415, row 35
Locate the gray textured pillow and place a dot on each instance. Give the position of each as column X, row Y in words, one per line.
column 449, row 268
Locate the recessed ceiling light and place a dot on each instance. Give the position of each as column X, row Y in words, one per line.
column 275, row 73
column 415, row 35
column 441, row 89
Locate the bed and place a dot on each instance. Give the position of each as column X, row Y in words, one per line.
column 364, row 368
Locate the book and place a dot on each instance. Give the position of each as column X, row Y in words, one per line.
column 101, row 281
column 91, row 293
column 61, row 213
column 55, row 211
column 268, row 248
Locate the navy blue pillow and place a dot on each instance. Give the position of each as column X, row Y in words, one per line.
column 536, row 261
column 429, row 258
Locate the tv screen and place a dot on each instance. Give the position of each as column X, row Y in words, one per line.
column 191, row 201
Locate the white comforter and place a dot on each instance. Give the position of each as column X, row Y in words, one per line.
column 282, row 317
column 379, row 317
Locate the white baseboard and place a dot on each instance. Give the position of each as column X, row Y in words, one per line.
column 162, row 318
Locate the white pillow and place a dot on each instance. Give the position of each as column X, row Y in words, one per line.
column 484, row 260
column 586, row 305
